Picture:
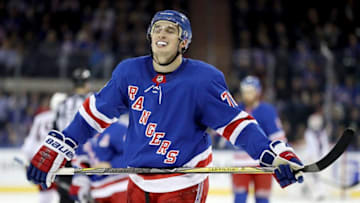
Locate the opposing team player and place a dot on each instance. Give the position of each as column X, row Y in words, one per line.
column 40, row 127
column 266, row 115
column 105, row 150
column 171, row 101
column 317, row 145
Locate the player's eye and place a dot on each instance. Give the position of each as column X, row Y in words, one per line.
column 170, row 30
column 157, row 29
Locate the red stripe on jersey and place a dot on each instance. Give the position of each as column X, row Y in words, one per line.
column 202, row 163
column 205, row 162
column 86, row 106
column 232, row 126
column 158, row 176
column 110, row 183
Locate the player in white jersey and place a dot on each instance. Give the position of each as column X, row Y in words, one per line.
column 317, row 145
column 171, row 101
column 269, row 121
column 41, row 125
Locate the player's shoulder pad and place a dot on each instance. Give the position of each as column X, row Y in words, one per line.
column 207, row 71
column 131, row 64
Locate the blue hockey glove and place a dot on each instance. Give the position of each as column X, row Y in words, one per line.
column 51, row 156
column 283, row 157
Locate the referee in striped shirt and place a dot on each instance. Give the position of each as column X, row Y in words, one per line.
column 64, row 115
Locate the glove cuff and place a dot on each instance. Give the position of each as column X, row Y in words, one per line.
column 56, row 141
column 279, row 147
column 269, row 157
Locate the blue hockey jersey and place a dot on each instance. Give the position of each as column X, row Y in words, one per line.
column 168, row 116
column 268, row 119
column 105, row 147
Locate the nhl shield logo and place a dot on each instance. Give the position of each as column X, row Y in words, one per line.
column 158, row 79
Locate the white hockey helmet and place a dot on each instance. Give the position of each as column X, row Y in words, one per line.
column 56, row 99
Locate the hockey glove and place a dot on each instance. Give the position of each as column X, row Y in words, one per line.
column 51, row 156
column 80, row 188
column 283, row 157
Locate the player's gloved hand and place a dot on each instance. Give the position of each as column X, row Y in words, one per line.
column 80, row 188
column 283, row 157
column 51, row 156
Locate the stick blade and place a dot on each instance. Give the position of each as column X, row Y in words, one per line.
column 334, row 154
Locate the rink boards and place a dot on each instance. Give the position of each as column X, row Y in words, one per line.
column 343, row 172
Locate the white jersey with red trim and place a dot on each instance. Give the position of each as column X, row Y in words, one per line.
column 168, row 116
column 40, row 127
column 317, row 144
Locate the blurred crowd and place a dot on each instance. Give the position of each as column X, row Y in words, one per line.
column 16, row 115
column 283, row 43
column 50, row 38
column 280, row 41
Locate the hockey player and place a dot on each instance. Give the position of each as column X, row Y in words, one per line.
column 66, row 112
column 105, row 150
column 171, row 101
column 266, row 115
column 317, row 145
column 41, row 125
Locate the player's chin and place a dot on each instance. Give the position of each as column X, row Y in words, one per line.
column 161, row 50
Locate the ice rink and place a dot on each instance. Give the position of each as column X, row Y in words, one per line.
column 32, row 198
column 15, row 189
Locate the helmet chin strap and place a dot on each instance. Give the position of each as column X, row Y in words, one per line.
column 168, row 63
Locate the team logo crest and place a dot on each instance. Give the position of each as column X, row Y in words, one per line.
column 158, row 79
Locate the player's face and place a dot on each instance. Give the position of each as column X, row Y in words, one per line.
column 165, row 40
column 249, row 95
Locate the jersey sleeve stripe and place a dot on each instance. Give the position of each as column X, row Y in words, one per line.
column 233, row 130
column 90, row 111
column 236, row 132
column 90, row 120
column 99, row 114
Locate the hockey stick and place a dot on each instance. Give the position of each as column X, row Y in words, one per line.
column 334, row 154
column 61, row 184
